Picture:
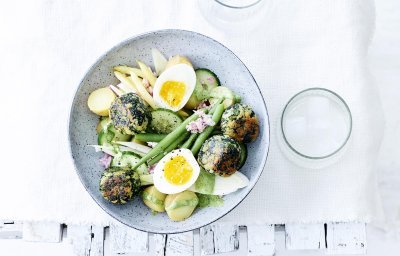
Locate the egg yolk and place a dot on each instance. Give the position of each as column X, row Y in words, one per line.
column 172, row 92
column 177, row 170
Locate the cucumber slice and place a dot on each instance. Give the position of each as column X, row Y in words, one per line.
column 222, row 91
column 105, row 137
column 119, row 136
column 103, row 124
column 243, row 154
column 108, row 133
column 164, row 121
column 129, row 159
column 206, row 80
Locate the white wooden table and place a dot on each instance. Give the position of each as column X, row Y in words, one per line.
column 215, row 239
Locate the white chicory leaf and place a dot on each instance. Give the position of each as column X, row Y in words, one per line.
column 159, row 60
column 135, row 146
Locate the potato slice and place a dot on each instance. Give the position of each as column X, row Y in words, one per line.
column 154, row 199
column 193, row 102
column 181, row 205
column 100, row 100
column 178, row 59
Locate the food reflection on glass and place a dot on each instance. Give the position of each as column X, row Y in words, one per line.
column 175, row 137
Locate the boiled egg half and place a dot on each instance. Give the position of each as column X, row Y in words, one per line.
column 174, row 87
column 176, row 172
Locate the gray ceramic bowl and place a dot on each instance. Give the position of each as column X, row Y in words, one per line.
column 203, row 52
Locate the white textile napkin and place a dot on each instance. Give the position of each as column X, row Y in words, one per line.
column 298, row 44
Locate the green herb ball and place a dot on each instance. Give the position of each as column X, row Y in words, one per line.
column 119, row 184
column 220, row 155
column 129, row 114
column 240, row 122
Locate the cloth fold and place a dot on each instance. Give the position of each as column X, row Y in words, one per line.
column 299, row 44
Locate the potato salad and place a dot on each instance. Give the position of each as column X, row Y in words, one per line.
column 172, row 135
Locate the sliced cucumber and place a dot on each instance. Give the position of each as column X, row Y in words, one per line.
column 105, row 137
column 222, row 91
column 206, row 80
column 103, row 124
column 129, row 159
column 119, row 136
column 164, row 121
column 243, row 154
column 108, row 133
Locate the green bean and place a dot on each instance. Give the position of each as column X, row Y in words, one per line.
column 206, row 133
column 150, row 137
column 194, row 136
column 190, row 141
column 171, row 147
column 215, row 106
column 170, row 138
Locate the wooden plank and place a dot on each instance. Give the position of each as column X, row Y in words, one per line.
column 97, row 242
column 305, row 236
column 226, row 237
column 127, row 240
column 207, row 240
column 180, row 244
column 346, row 238
column 10, row 229
column 48, row 232
column 261, row 240
column 159, row 243
column 80, row 237
column 219, row 238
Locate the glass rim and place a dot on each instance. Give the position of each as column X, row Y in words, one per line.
column 347, row 110
column 237, row 7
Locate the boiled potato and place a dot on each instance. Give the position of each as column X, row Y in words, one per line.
column 154, row 199
column 193, row 102
column 178, row 59
column 180, row 206
column 100, row 100
column 184, row 113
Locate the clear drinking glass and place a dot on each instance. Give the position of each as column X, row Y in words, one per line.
column 233, row 15
column 315, row 128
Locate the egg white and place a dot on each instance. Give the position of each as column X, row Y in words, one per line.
column 160, row 181
column 229, row 184
column 180, row 73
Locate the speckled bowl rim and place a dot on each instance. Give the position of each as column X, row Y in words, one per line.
column 127, row 41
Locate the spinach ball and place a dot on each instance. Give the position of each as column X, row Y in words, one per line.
column 240, row 122
column 220, row 155
column 119, row 184
column 129, row 114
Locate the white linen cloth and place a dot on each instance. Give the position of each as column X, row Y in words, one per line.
column 47, row 46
